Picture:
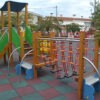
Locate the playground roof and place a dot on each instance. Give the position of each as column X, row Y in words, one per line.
column 15, row 6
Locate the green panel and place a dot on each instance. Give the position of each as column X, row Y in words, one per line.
column 28, row 35
column 0, row 34
column 3, row 41
column 15, row 39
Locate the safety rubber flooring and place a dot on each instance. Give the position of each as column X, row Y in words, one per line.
column 46, row 87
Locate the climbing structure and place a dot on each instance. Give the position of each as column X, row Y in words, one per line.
column 11, row 6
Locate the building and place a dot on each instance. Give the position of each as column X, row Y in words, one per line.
column 35, row 18
column 85, row 23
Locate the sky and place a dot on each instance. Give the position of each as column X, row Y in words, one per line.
column 65, row 8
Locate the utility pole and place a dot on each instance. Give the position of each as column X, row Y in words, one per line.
column 95, row 2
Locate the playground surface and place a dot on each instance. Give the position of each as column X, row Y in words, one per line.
column 46, row 87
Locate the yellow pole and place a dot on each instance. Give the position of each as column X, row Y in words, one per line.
column 18, row 23
column 35, row 52
column 22, row 45
column 81, row 66
column 10, row 34
column 96, row 55
column 52, row 34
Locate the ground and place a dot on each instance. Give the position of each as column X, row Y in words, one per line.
column 46, row 87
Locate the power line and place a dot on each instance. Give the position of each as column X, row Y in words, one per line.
column 40, row 7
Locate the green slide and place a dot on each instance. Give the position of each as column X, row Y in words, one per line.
column 28, row 35
column 3, row 41
column 15, row 38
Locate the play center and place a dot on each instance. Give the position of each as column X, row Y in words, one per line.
column 47, row 67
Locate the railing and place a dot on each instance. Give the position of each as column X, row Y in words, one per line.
column 60, row 39
column 10, row 58
column 93, row 66
column 3, row 35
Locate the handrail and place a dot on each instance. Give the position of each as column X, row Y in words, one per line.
column 93, row 66
column 10, row 58
column 25, row 55
column 89, row 38
column 22, row 61
column 60, row 39
column 3, row 36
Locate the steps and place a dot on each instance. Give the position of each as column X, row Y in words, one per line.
column 91, row 85
column 25, row 67
column 91, row 80
column 27, row 48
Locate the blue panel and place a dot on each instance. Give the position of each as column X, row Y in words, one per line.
column 88, row 92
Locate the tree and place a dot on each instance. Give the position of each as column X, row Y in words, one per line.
column 48, row 24
column 96, row 16
column 73, row 27
column 96, row 20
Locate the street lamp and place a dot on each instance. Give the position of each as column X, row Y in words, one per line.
column 51, row 14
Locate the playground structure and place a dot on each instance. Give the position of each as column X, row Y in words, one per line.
column 56, row 52
column 12, row 36
column 63, row 59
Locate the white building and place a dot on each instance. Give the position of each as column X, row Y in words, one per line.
column 35, row 18
column 85, row 23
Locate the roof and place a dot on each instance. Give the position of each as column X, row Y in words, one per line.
column 15, row 6
column 36, row 14
column 71, row 19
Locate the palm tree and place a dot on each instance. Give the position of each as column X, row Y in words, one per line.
column 48, row 24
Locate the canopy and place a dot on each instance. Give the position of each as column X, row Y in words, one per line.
column 15, row 6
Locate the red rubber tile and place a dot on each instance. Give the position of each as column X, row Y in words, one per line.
column 49, row 93
column 54, row 83
column 5, row 87
column 25, row 90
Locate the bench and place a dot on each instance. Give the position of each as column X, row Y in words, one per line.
column 91, row 85
column 27, row 67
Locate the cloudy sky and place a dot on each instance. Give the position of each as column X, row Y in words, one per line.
column 65, row 8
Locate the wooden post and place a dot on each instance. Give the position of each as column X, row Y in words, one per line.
column 96, row 55
column 2, row 22
column 81, row 66
column 52, row 34
column 26, row 14
column 22, row 45
column 10, row 34
column 18, row 23
column 35, row 52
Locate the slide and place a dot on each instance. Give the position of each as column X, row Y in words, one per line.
column 15, row 38
column 28, row 35
column 3, row 44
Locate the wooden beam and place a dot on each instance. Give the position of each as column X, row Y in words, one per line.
column 81, row 66
column 35, row 52
column 2, row 22
column 22, row 45
column 96, row 55
column 18, row 23
column 10, row 34
column 26, row 14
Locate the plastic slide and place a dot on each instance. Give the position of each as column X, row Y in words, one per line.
column 28, row 35
column 15, row 39
column 3, row 44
